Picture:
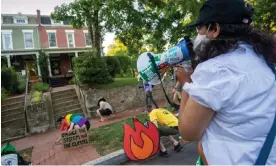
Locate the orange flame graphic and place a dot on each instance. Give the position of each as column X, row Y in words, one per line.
column 142, row 142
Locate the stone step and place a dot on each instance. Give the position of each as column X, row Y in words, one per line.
column 55, row 94
column 11, row 133
column 66, row 108
column 75, row 111
column 13, row 123
column 12, row 111
column 5, row 139
column 65, row 99
column 63, row 95
column 67, row 103
column 13, row 100
column 12, row 106
column 12, row 116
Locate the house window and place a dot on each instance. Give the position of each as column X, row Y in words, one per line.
column 20, row 19
column 28, row 39
column 70, row 38
column 7, row 39
column 87, row 40
column 55, row 22
column 52, row 39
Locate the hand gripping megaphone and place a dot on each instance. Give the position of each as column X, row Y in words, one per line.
column 150, row 64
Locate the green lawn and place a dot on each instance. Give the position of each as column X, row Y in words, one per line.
column 119, row 82
column 109, row 138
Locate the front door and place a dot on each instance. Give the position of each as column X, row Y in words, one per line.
column 31, row 69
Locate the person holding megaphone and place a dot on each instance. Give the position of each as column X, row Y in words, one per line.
column 228, row 101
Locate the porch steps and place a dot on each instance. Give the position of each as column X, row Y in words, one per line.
column 66, row 102
column 12, row 118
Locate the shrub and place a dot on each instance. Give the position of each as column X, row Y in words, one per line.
column 43, row 87
column 43, row 64
column 113, row 65
column 12, row 81
column 90, row 69
column 36, row 97
column 21, row 83
column 125, row 63
column 4, row 61
column 4, row 94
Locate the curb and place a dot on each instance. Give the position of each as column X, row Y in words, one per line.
column 119, row 157
column 116, row 158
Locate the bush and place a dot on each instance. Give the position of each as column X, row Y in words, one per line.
column 125, row 63
column 12, row 81
column 36, row 97
column 4, row 94
column 43, row 87
column 113, row 65
column 21, row 83
column 90, row 69
column 43, row 64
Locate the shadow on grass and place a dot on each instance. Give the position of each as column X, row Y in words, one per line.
column 109, row 138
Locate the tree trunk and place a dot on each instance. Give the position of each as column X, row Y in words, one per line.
column 97, row 33
column 91, row 33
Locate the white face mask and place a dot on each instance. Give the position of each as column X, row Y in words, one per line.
column 199, row 40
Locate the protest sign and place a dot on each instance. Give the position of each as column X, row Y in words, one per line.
column 75, row 138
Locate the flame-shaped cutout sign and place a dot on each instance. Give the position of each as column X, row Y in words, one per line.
column 142, row 142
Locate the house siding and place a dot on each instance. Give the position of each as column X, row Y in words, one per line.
column 61, row 37
column 18, row 37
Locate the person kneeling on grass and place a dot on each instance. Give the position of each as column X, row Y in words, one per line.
column 105, row 109
column 72, row 121
column 168, row 127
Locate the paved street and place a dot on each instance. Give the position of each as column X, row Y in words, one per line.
column 187, row 156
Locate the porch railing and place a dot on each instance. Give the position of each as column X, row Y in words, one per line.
column 25, row 105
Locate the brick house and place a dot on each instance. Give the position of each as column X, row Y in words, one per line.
column 61, row 42
column 23, row 36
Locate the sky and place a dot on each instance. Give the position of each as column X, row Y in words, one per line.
column 46, row 7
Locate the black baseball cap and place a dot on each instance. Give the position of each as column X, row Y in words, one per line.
column 224, row 12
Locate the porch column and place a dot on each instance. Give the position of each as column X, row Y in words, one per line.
column 49, row 65
column 76, row 54
column 9, row 60
column 37, row 63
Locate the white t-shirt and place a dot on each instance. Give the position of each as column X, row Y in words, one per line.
column 241, row 89
column 105, row 105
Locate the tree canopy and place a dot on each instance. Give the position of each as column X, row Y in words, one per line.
column 117, row 48
column 147, row 25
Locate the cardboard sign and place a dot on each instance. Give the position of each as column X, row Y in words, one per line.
column 75, row 138
column 141, row 142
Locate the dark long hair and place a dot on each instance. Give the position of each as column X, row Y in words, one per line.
column 230, row 34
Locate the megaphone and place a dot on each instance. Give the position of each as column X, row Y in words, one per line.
column 150, row 64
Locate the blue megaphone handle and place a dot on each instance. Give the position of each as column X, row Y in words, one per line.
column 183, row 47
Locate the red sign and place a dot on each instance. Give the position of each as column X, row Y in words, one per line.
column 141, row 142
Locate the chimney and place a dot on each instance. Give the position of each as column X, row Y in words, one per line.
column 38, row 19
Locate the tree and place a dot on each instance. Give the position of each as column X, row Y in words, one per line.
column 80, row 12
column 43, row 64
column 155, row 24
column 117, row 48
column 264, row 14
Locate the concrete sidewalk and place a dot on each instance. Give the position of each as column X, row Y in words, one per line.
column 45, row 151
